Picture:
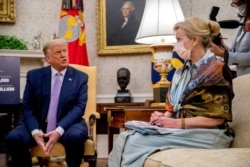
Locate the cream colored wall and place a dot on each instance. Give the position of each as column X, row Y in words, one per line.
column 42, row 16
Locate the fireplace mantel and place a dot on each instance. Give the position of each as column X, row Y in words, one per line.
column 22, row 53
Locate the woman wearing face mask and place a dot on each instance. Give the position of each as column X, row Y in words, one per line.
column 198, row 103
column 239, row 53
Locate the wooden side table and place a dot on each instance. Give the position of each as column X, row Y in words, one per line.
column 101, row 107
column 117, row 116
column 101, row 129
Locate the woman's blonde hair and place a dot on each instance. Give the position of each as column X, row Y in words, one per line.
column 197, row 27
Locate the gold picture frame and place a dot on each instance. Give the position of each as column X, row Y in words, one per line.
column 107, row 13
column 7, row 11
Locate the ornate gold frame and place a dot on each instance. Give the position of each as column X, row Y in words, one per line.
column 103, row 49
column 7, row 11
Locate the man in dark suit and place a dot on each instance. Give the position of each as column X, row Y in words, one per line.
column 70, row 129
column 127, row 29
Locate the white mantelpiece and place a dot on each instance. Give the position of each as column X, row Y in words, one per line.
column 22, row 53
column 26, row 55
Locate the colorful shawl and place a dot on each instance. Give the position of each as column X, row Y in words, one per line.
column 206, row 91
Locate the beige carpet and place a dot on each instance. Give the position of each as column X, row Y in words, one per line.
column 101, row 162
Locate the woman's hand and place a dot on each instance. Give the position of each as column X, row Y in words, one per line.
column 218, row 51
column 164, row 120
column 246, row 28
column 168, row 122
column 155, row 116
column 159, row 119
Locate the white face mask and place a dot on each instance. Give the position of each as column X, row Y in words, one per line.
column 241, row 10
column 182, row 51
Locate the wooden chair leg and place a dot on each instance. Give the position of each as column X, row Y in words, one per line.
column 8, row 162
column 91, row 160
column 43, row 162
column 40, row 161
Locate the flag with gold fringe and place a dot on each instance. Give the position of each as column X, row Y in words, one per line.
column 72, row 28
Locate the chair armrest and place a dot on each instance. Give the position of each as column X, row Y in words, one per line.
column 96, row 114
column 92, row 122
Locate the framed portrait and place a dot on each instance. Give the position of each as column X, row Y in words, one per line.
column 116, row 35
column 7, row 11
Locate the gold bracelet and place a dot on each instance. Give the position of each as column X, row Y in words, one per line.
column 183, row 126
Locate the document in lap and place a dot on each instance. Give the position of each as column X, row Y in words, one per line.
column 147, row 128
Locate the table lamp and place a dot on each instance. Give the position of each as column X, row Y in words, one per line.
column 156, row 29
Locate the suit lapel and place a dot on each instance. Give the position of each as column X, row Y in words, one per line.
column 67, row 83
column 46, row 89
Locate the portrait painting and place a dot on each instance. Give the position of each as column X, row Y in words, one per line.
column 7, row 11
column 118, row 24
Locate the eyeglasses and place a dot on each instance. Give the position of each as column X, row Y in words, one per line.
column 236, row 4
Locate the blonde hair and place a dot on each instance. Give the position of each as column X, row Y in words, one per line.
column 53, row 42
column 197, row 27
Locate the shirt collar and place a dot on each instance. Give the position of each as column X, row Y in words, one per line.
column 54, row 71
column 207, row 55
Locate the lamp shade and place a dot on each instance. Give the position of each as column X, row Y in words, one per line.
column 158, row 20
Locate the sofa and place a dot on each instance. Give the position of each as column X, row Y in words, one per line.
column 238, row 155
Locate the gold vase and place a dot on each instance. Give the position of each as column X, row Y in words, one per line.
column 162, row 54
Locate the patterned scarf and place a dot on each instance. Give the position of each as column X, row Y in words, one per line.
column 202, row 89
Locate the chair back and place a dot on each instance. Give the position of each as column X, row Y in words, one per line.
column 91, row 71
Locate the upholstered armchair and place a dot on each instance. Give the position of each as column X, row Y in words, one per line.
column 90, row 152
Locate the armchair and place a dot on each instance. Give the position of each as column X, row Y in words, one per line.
column 90, row 153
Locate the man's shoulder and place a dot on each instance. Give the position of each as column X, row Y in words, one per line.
column 38, row 71
column 74, row 71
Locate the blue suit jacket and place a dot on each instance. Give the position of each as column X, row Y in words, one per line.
column 72, row 101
